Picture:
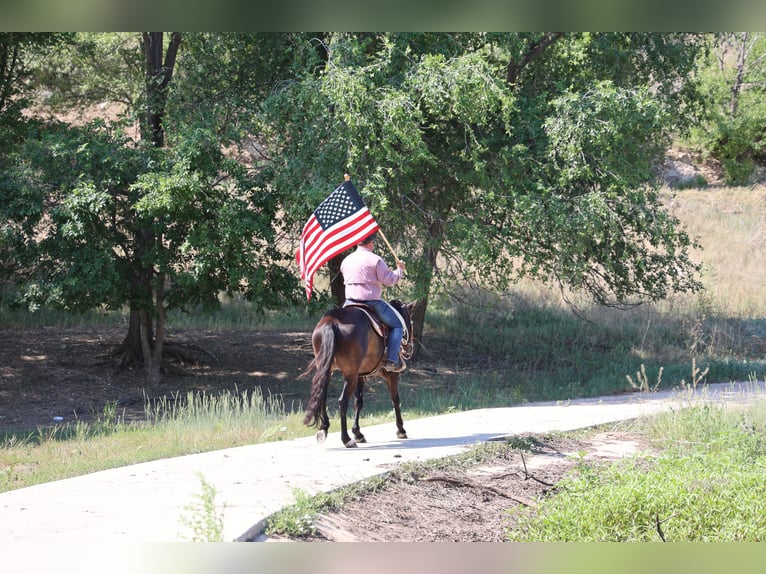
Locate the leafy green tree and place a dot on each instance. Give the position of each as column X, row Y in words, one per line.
column 494, row 156
column 17, row 53
column 94, row 70
column 167, row 221
column 733, row 79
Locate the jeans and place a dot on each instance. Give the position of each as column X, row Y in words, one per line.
column 386, row 314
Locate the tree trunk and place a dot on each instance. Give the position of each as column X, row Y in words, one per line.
column 131, row 345
column 158, row 72
column 147, row 302
column 430, row 254
column 337, row 287
column 152, row 347
column 151, row 364
column 140, row 330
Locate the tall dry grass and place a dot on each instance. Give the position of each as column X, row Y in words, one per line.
column 730, row 224
column 541, row 345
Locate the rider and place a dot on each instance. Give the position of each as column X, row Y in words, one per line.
column 364, row 274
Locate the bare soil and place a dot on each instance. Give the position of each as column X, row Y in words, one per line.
column 53, row 376
column 476, row 502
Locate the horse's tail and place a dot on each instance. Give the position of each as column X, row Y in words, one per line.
column 322, row 363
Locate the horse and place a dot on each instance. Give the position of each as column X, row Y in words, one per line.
column 346, row 339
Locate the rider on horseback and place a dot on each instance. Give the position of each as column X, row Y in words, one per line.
column 364, row 274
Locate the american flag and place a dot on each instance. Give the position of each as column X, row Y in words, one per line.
column 341, row 221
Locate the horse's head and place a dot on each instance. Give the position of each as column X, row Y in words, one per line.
column 406, row 311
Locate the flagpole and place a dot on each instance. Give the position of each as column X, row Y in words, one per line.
column 380, row 232
column 347, row 177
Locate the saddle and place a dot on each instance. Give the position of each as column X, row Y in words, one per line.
column 382, row 329
column 379, row 326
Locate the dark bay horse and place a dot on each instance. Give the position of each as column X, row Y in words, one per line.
column 344, row 339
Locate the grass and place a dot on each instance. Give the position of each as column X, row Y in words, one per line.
column 707, row 484
column 704, row 479
column 193, row 423
column 520, row 346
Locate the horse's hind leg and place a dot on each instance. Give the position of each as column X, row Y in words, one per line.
column 349, row 386
column 358, row 405
column 324, row 424
column 392, row 381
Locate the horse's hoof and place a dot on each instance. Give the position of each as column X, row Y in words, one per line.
column 401, row 434
column 360, row 438
column 351, row 444
column 321, row 435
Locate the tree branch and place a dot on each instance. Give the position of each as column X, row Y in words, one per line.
column 471, row 484
column 659, row 526
column 535, row 49
column 527, row 476
column 658, row 523
column 170, row 59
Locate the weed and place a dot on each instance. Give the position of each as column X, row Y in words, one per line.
column 696, row 376
column 297, row 520
column 643, row 380
column 205, row 522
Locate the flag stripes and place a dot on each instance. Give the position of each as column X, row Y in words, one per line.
column 341, row 221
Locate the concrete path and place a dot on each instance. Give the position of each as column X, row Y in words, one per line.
column 148, row 502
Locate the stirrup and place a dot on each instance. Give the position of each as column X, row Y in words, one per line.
column 392, row 367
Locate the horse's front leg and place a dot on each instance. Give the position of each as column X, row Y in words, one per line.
column 392, row 381
column 349, row 386
column 358, row 405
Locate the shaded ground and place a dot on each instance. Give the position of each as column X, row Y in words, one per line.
column 50, row 373
column 55, row 376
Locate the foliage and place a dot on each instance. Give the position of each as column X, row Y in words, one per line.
column 706, row 484
column 72, row 195
column 95, row 68
column 17, row 49
column 733, row 81
column 487, row 158
column 222, row 79
column 297, row 519
column 17, row 54
column 493, row 156
column 101, row 220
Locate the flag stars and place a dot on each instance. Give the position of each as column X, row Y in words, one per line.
column 341, row 203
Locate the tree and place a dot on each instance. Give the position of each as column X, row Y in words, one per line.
column 733, row 77
column 17, row 216
column 165, row 222
column 493, row 156
column 16, row 49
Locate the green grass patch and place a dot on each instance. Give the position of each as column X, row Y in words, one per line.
column 196, row 422
column 708, row 483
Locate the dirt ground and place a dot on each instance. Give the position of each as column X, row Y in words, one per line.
column 55, row 376
column 469, row 503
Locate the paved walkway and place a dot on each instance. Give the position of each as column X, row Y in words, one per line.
column 148, row 502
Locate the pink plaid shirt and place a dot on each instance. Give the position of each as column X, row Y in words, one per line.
column 365, row 274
